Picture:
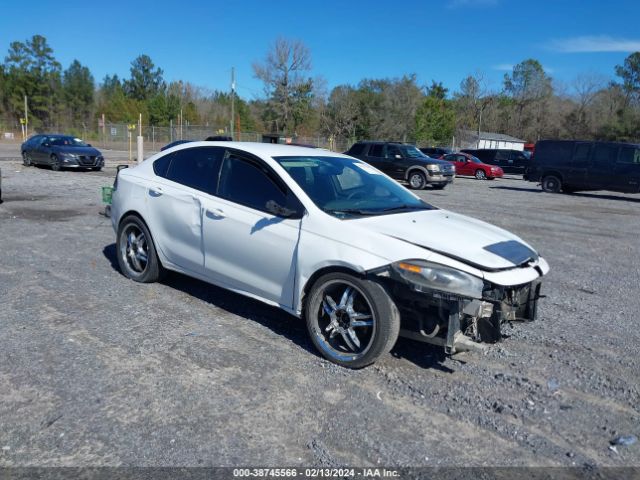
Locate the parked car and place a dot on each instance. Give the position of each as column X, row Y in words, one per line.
column 219, row 138
column 60, row 151
column 325, row 237
column 173, row 144
column 214, row 138
column 435, row 152
column 511, row 161
column 570, row 166
column 405, row 162
column 467, row 164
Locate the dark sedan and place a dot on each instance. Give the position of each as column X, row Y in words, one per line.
column 61, row 151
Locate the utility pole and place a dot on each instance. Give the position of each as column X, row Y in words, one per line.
column 233, row 98
column 479, row 126
column 26, row 118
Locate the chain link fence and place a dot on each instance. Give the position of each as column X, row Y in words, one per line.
column 116, row 136
column 121, row 136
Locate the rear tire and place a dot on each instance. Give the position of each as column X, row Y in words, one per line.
column 352, row 321
column 137, row 256
column 551, row 184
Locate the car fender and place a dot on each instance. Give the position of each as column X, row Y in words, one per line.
column 322, row 246
column 416, row 167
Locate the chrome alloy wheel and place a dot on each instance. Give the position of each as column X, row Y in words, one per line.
column 345, row 318
column 416, row 181
column 135, row 250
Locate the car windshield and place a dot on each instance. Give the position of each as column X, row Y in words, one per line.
column 475, row 159
column 67, row 141
column 409, row 151
column 349, row 188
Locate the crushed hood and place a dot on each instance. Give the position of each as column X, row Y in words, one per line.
column 466, row 239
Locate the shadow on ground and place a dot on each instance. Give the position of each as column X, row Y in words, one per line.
column 280, row 322
column 517, row 189
column 575, row 194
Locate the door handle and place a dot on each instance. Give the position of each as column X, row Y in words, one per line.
column 215, row 212
column 155, row 191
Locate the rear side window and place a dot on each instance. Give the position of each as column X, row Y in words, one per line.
column 357, row 149
column 516, row 155
column 196, row 168
column 484, row 155
column 554, row 153
column 629, row 155
column 161, row 166
column 375, row 151
column 244, row 182
column 604, row 155
column 581, row 154
column 502, row 155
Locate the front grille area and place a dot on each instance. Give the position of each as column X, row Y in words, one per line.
column 86, row 160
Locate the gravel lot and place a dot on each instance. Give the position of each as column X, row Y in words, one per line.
column 98, row 370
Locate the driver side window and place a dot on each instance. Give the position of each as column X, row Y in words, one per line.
column 392, row 151
column 244, row 182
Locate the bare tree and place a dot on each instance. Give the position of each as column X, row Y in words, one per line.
column 472, row 101
column 579, row 122
column 529, row 88
column 287, row 86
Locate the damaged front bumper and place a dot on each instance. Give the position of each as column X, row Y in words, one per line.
column 458, row 323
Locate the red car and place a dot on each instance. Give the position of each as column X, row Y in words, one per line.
column 469, row 165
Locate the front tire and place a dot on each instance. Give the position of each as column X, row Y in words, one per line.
column 26, row 160
column 351, row 321
column 137, row 255
column 55, row 163
column 480, row 174
column 551, row 184
column 417, row 180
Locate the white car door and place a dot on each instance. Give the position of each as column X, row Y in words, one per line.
column 174, row 208
column 247, row 247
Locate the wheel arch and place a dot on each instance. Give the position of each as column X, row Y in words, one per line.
column 547, row 173
column 420, row 168
column 135, row 213
column 341, row 268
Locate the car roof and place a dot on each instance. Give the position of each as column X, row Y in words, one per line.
column 264, row 149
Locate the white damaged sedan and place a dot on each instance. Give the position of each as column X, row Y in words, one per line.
column 327, row 238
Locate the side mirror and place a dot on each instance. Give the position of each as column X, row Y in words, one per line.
column 275, row 208
column 88, row 144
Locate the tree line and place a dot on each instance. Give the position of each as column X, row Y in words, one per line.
column 529, row 104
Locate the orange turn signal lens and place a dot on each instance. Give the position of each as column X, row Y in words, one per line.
column 409, row 267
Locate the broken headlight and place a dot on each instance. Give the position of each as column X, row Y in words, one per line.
column 434, row 276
